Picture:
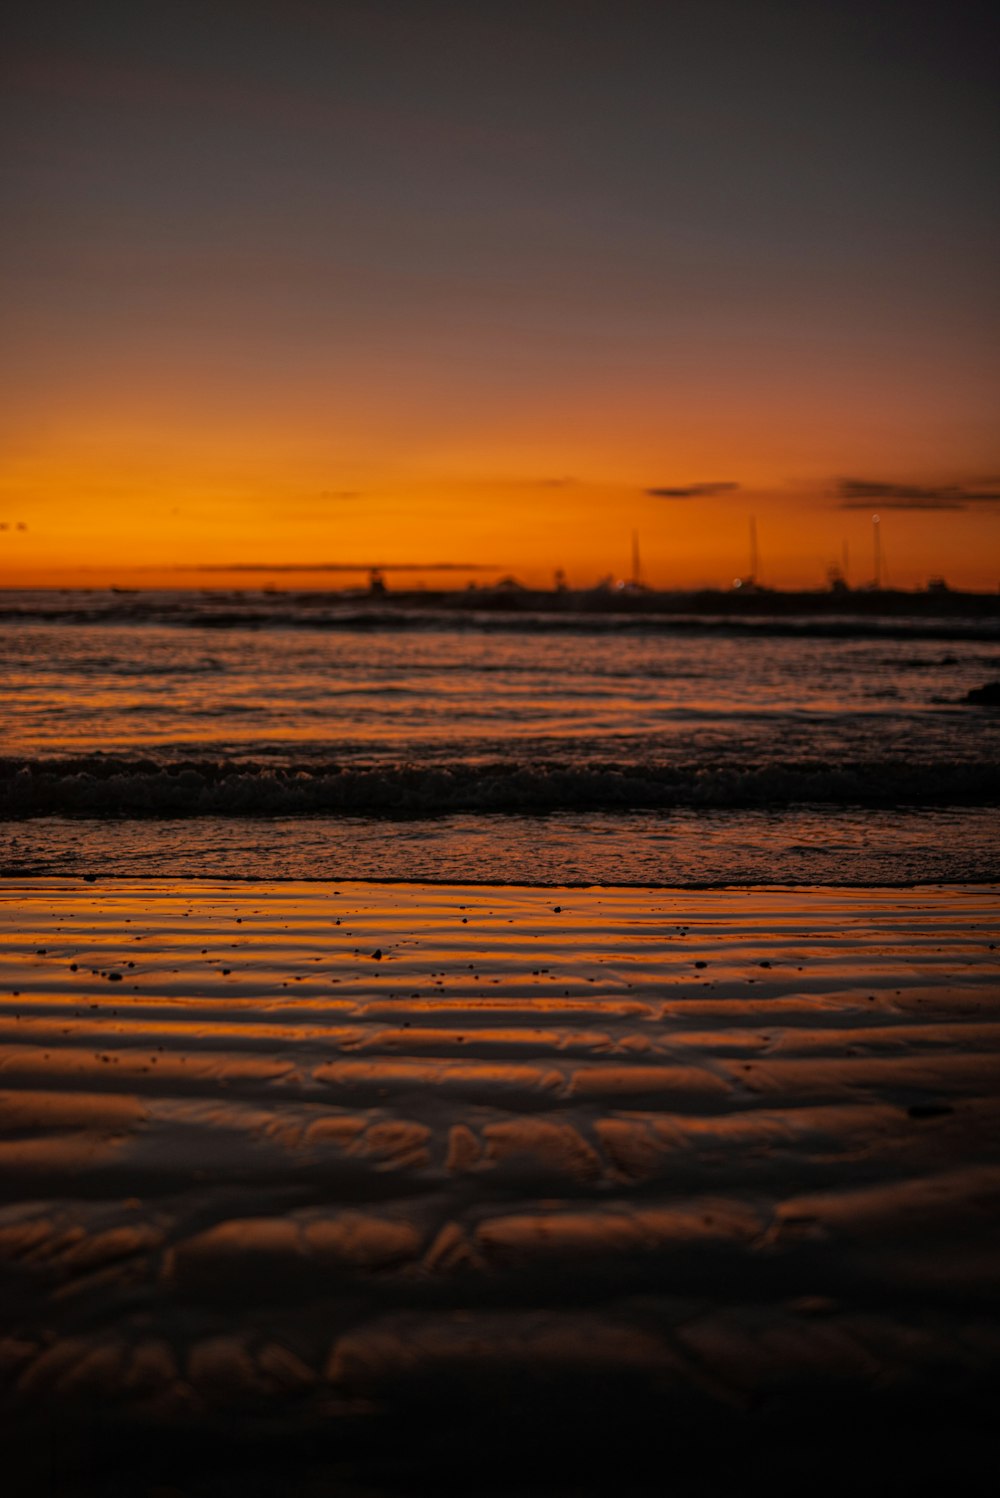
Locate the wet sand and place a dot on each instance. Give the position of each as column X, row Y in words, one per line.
column 351, row 1188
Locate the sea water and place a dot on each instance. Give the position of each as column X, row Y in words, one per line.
column 257, row 735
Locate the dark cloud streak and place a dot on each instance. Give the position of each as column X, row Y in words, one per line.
column 332, row 567
column 706, row 490
column 861, row 494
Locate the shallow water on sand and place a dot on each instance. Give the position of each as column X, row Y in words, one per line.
column 791, row 846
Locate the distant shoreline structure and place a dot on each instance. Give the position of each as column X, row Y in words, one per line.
column 510, row 598
column 631, row 601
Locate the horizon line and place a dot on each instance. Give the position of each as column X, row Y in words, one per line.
column 105, row 567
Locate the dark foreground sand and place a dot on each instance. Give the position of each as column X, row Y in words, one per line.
column 564, row 1192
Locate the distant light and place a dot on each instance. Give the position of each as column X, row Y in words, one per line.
column 737, row 582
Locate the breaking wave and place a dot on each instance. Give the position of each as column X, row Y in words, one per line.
column 108, row 786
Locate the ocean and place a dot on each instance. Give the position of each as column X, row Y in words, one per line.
column 261, row 735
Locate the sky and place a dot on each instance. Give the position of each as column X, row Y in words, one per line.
column 287, row 282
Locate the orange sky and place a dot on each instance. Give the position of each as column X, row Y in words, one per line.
column 190, row 492
column 286, row 285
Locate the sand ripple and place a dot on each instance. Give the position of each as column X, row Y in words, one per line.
column 306, row 1153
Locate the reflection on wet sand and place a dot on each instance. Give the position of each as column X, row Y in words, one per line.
column 709, row 1160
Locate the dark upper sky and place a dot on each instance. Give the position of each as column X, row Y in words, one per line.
column 414, row 259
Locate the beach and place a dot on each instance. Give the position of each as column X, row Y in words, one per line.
column 499, row 750
column 532, row 1054
column 365, row 1183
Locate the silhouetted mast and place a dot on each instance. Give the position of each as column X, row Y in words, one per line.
column 753, row 551
column 877, row 544
column 636, row 570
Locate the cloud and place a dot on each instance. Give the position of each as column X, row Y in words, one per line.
column 861, row 494
column 694, row 491
column 331, row 567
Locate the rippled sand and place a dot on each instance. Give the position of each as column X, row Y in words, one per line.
column 376, row 1182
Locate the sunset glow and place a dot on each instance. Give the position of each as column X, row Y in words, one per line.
column 378, row 290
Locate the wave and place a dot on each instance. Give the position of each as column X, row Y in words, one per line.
column 810, row 620
column 108, row 786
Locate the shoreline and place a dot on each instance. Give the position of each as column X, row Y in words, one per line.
column 28, row 878
column 626, row 599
